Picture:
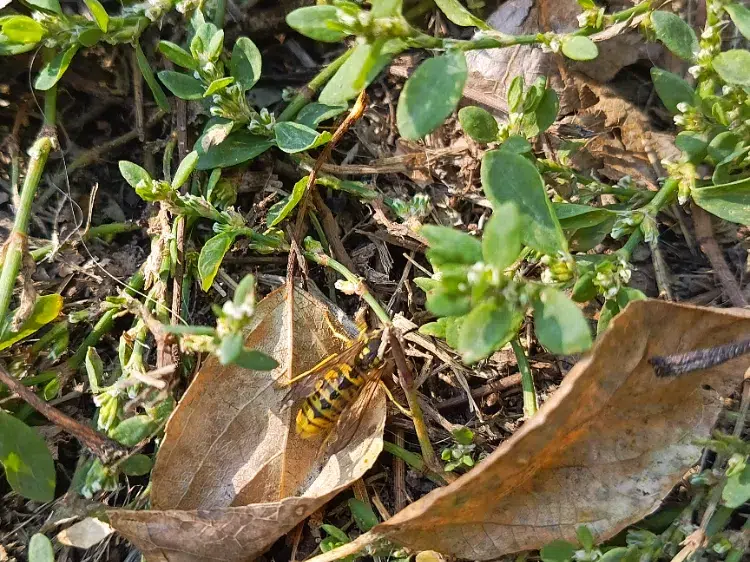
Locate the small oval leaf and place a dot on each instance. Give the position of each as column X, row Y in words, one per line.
column 675, row 33
column 431, row 94
column 578, row 47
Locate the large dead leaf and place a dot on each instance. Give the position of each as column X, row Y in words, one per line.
column 232, row 476
column 603, row 451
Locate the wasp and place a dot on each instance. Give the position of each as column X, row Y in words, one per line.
column 338, row 381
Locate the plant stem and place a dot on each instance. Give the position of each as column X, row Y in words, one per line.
column 530, row 404
column 105, row 323
column 304, row 96
column 662, row 197
column 100, row 231
column 413, row 460
column 362, row 290
column 17, row 241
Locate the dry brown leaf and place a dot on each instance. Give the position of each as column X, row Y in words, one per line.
column 85, row 534
column 603, row 451
column 232, row 476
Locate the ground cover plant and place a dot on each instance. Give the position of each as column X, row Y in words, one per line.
column 407, row 280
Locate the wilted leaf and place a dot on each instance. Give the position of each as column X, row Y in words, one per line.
column 232, row 476
column 85, row 534
column 603, row 450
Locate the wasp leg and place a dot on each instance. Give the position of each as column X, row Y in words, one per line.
column 338, row 335
column 388, row 393
column 310, row 371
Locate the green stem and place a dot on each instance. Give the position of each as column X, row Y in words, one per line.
column 306, row 94
column 635, row 238
column 105, row 323
column 362, row 290
column 662, row 197
column 100, row 231
column 530, row 404
column 414, row 460
column 16, row 244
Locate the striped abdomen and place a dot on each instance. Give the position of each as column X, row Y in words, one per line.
column 335, row 390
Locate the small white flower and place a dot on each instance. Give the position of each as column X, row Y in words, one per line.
column 683, row 106
column 695, row 71
column 679, row 120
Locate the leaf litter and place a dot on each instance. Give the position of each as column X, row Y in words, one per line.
column 603, row 451
column 232, row 476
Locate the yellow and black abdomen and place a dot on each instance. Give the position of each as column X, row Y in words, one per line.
column 335, row 390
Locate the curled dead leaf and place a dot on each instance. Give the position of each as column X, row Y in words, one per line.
column 603, row 451
column 232, row 476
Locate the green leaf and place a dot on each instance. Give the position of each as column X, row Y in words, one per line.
column 675, row 33
column 578, row 47
column 101, row 17
column 54, row 69
column 722, row 146
column 317, row 22
column 29, row 468
column 22, row 29
column 459, row 15
column 238, row 147
column 279, row 211
column 463, row 435
column 40, row 549
column 693, row 145
column 435, row 329
column 614, row 555
column 336, row 533
column 133, row 430
column 431, row 94
column 444, row 303
column 211, row 256
column 182, row 85
column 246, row 63
column 607, row 313
column 741, row 17
column 359, row 70
column 230, row 348
column 516, row 144
column 584, row 289
column 508, row 177
column 628, row 294
column 363, row 514
column 559, row 323
column 501, row 241
column 294, row 137
column 557, row 551
column 515, row 93
column 453, row 330
column 217, row 85
column 94, row 369
column 90, row 37
column 478, row 123
column 184, row 170
column 573, row 216
column 737, row 489
column 133, row 173
column 148, row 76
column 313, row 114
column 585, row 537
column 46, row 5
column 672, row 89
column 733, row 67
column 546, row 111
column 450, row 246
column 255, row 360
column 137, row 465
column 177, row 55
column 386, row 8
column 46, row 309
column 486, row 329
column 730, row 201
